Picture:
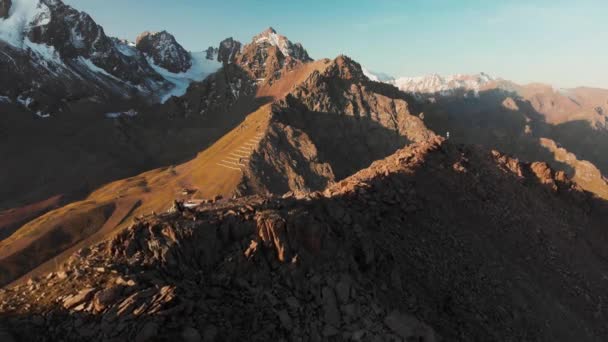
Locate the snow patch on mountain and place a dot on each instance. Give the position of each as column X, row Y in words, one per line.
column 42, row 114
column 126, row 48
column 94, row 68
column 270, row 36
column 165, row 51
column 130, row 113
column 25, row 101
column 23, row 15
column 201, row 68
column 43, row 51
column 287, row 48
column 377, row 76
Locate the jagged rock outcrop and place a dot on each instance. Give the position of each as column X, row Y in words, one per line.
column 74, row 34
column 434, row 242
column 220, row 91
column 165, row 51
column 228, row 50
column 287, row 48
column 270, row 52
column 211, row 53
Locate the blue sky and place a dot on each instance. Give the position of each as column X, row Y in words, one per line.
column 563, row 43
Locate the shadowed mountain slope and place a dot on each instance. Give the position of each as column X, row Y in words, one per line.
column 473, row 243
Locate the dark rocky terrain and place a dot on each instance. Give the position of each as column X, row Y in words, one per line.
column 226, row 52
column 164, row 50
column 434, row 242
column 322, row 122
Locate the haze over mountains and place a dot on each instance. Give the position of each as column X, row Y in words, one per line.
column 251, row 192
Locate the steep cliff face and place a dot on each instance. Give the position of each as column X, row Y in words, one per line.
column 228, row 50
column 164, row 51
column 333, row 115
column 74, row 34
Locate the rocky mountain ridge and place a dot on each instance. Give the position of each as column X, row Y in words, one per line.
column 56, row 55
column 334, row 113
column 360, row 260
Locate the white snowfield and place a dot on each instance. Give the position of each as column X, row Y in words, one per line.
column 201, row 68
column 23, row 15
column 94, row 68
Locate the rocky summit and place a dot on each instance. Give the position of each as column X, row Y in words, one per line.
column 164, row 50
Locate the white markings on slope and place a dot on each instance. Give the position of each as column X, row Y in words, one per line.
column 238, row 158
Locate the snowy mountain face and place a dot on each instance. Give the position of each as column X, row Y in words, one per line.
column 287, row 48
column 377, row 76
column 165, row 51
column 270, row 52
column 436, row 84
column 52, row 52
column 200, row 68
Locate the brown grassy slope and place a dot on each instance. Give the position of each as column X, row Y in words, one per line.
column 13, row 218
column 151, row 191
column 145, row 193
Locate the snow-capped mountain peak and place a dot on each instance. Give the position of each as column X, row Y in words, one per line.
column 270, row 36
column 287, row 48
column 164, row 49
